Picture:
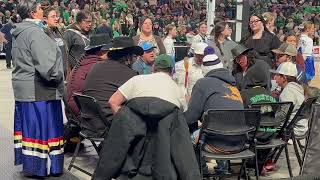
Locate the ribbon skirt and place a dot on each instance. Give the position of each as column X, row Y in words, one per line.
column 38, row 137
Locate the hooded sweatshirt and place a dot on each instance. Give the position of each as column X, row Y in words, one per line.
column 254, row 86
column 293, row 92
column 38, row 71
column 216, row 90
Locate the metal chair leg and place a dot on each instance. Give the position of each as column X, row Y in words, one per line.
column 256, row 162
column 296, row 150
column 245, row 170
column 75, row 154
column 288, row 161
column 240, row 173
column 278, row 155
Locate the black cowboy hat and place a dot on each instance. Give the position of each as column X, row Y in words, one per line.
column 126, row 44
column 239, row 50
column 99, row 41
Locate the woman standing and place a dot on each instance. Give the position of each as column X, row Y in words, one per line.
column 261, row 39
column 201, row 36
column 37, row 81
column 147, row 35
column 168, row 42
column 306, row 47
column 222, row 44
column 52, row 20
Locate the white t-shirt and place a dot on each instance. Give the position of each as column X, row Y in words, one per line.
column 159, row 85
column 306, row 44
column 169, row 45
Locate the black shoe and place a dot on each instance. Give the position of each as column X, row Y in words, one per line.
column 9, row 67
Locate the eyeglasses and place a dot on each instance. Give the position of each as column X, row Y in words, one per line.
column 254, row 21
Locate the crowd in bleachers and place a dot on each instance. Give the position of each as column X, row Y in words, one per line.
column 148, row 102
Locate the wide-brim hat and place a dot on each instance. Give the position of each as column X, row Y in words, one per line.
column 239, row 50
column 99, row 41
column 126, row 44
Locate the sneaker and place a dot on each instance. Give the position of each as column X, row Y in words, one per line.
column 290, row 142
column 269, row 165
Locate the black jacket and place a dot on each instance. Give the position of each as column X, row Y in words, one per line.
column 167, row 155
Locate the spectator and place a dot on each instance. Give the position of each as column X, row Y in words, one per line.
column 269, row 19
column 222, row 44
column 106, row 77
column 306, row 45
column 171, row 34
column 182, row 37
column 77, row 37
column 146, row 35
column 143, row 65
column 201, row 36
column 37, row 81
column 116, row 29
column 261, row 40
column 104, row 28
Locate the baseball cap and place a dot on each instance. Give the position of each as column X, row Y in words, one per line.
column 199, row 48
column 163, row 61
column 286, row 48
column 286, row 68
column 211, row 60
column 146, row 46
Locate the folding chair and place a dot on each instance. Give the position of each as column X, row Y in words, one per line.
column 229, row 123
column 91, row 118
column 269, row 112
column 304, row 112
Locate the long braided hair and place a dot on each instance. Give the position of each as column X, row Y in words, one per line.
column 216, row 32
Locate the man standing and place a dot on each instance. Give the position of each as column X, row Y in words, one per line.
column 37, row 81
column 143, row 65
column 106, row 77
column 76, row 37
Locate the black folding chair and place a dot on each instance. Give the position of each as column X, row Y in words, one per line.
column 93, row 125
column 304, row 112
column 270, row 122
column 229, row 123
column 288, row 132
